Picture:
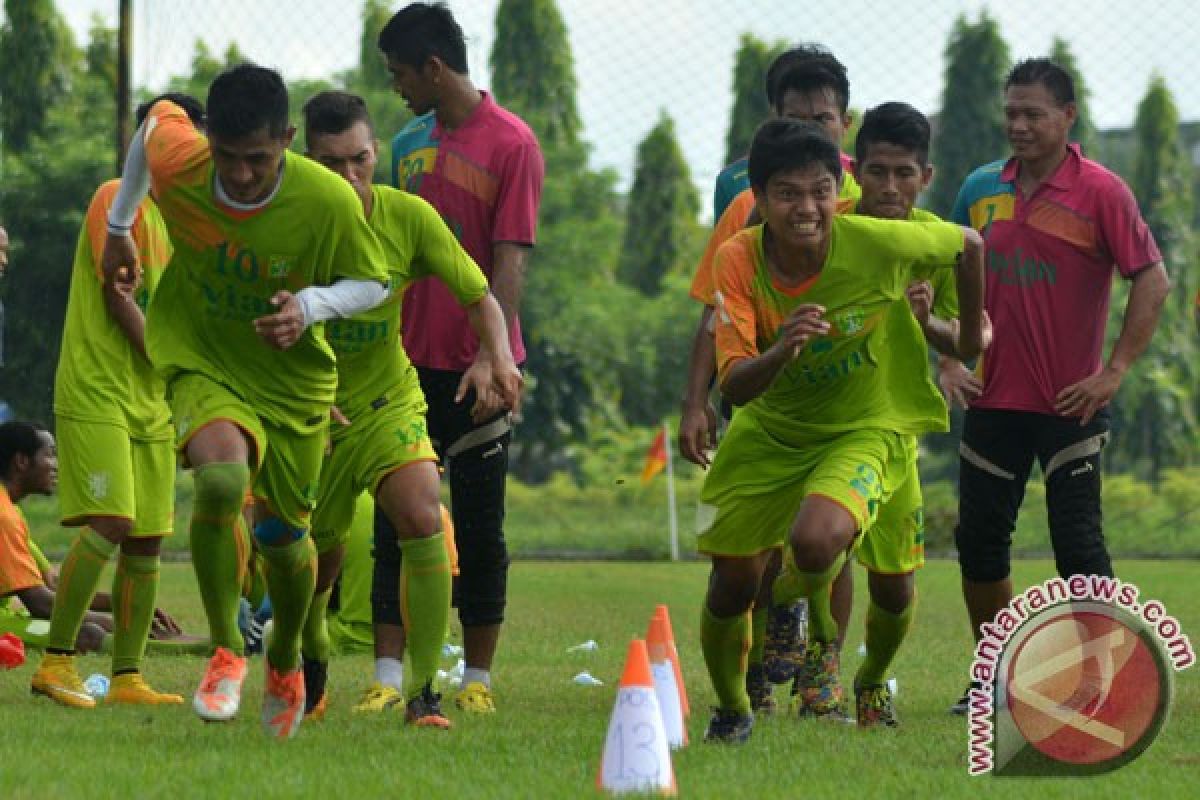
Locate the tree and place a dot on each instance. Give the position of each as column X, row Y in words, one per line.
column 533, row 71
column 970, row 128
column 37, row 56
column 660, row 218
column 1084, row 130
column 750, row 105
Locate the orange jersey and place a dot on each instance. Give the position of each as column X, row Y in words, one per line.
column 18, row 567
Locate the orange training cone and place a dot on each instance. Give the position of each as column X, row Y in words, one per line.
column 673, row 654
column 665, row 688
column 636, row 754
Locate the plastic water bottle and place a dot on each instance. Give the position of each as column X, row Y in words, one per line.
column 96, row 685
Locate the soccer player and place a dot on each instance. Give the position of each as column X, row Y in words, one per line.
column 827, row 396
column 385, row 448
column 118, row 467
column 1055, row 224
column 480, row 166
column 892, row 167
column 29, row 465
column 807, row 83
column 267, row 245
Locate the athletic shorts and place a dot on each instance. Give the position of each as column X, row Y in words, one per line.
column 895, row 544
column 756, row 484
column 285, row 464
column 103, row 472
column 32, row 632
column 375, row 445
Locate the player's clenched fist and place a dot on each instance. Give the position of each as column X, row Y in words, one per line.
column 805, row 323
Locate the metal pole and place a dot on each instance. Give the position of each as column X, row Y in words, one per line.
column 672, row 516
column 124, row 54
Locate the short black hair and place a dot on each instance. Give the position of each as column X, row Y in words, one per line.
column 785, row 144
column 18, row 438
column 819, row 58
column 334, row 111
column 420, row 31
column 190, row 106
column 898, row 124
column 245, row 99
column 1044, row 71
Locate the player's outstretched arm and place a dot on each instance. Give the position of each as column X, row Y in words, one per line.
column 747, row 378
column 968, row 275
column 313, row 304
column 493, row 375
column 698, row 422
column 1146, row 297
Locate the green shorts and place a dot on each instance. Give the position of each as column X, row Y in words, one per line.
column 895, row 544
column 32, row 632
column 104, row 472
column 756, row 484
column 364, row 453
column 285, row 464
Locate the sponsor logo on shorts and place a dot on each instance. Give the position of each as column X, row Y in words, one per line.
column 98, row 484
column 1077, row 678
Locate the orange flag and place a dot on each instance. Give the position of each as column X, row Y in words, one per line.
column 656, row 457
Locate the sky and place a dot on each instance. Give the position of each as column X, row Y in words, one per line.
column 636, row 59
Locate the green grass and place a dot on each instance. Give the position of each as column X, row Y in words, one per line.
column 547, row 738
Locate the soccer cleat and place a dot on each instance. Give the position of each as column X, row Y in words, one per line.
column 315, row 675
column 378, row 698
column 57, row 679
column 817, row 689
column 253, row 626
column 964, row 703
column 425, row 710
column 759, row 689
column 131, row 689
column 873, row 707
column 283, row 702
column 729, row 727
column 476, row 698
column 783, row 649
column 220, row 693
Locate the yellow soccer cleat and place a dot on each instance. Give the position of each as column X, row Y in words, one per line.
column 131, row 689
column 476, row 698
column 57, row 679
column 379, row 698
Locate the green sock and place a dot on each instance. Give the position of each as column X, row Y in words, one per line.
column 725, row 643
column 315, row 644
column 816, row 587
column 885, row 632
column 77, row 582
column 255, row 586
column 424, row 605
column 220, row 491
column 758, row 635
column 291, row 577
column 135, row 586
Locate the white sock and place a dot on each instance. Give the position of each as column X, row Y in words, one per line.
column 390, row 672
column 476, row 675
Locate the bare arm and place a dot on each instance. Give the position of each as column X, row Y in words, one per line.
column 698, row 423
column 750, row 377
column 968, row 275
column 118, row 300
column 494, row 375
column 1146, row 296
column 508, row 277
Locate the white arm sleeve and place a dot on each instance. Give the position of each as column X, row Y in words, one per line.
column 135, row 184
column 343, row 299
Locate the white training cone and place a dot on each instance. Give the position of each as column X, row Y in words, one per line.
column 636, row 755
column 673, row 654
column 665, row 688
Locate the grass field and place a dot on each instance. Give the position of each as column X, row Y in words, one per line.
column 546, row 740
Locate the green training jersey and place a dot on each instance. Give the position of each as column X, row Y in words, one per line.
column 101, row 376
column 416, row 243
column 229, row 262
column 857, row 375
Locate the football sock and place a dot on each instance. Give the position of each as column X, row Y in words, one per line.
column 725, row 642
column 816, row 587
column 77, row 581
column 220, row 491
column 135, row 586
column 885, row 632
column 424, row 604
column 291, row 577
column 758, row 635
column 315, row 643
column 476, row 675
column 390, row 672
